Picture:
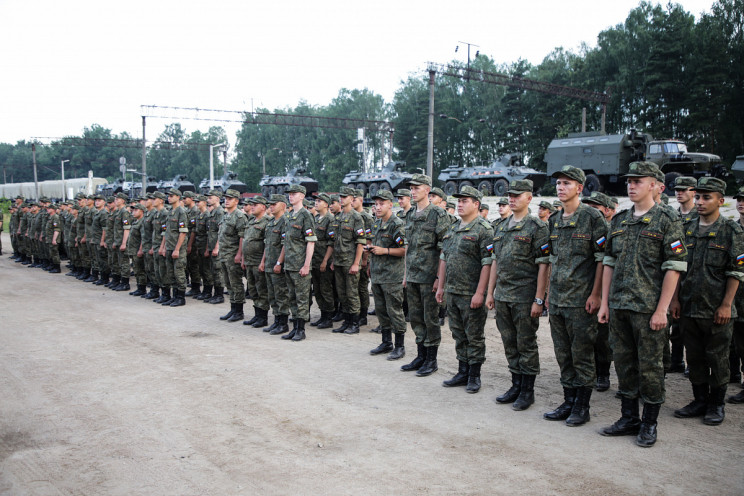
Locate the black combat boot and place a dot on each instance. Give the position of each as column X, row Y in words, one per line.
column 115, row 280
column 123, row 285
column 292, row 333
column 345, row 325
column 300, row 333
column 354, row 329
column 154, row 293
column 338, row 316
column 326, row 322
column 282, row 326
column 194, row 291
column 363, row 317
column 103, row 279
column 238, row 315
column 512, row 393
column 387, row 343
column 140, row 291
column 73, row 272
column 84, row 274
column 255, row 316
column 230, row 313
column 205, row 294
column 418, row 361
column 93, row 277
column 736, row 399
column 647, row 433
column 55, row 269
column 474, row 381
column 273, row 326
column 460, row 378
column 262, row 318
column 219, row 296
column 629, row 423
column 526, row 393
column 430, row 364
column 320, row 319
column 603, row 376
column 580, row 411
column 180, row 299
column 165, row 297
column 714, row 414
column 734, row 367
column 564, row 409
column 399, row 351
column 26, row 260
column 698, row 405
column 376, row 330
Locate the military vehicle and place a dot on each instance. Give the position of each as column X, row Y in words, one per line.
column 151, row 187
column 492, row 179
column 180, row 182
column 228, row 181
column 118, row 186
column 738, row 169
column 605, row 158
column 391, row 177
column 278, row 184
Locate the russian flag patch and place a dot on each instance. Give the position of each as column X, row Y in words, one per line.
column 601, row 241
column 360, row 232
column 740, row 259
column 490, row 248
column 399, row 240
column 309, row 232
column 545, row 248
column 677, row 247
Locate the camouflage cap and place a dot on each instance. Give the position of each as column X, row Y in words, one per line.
column 346, row 191
column 19, row 197
column 149, row 196
column 297, row 188
column 739, row 194
column 597, row 198
column 383, row 194
column 44, row 199
column 485, row 207
column 80, row 196
column 99, row 197
column 160, row 195
column 324, row 197
column 276, row 199
column 308, row 203
column 174, row 191
column 109, row 199
column 660, row 176
column 467, row 192
column 547, row 205
column 89, row 197
column 451, row 204
column 519, row 186
column 403, row 192
column 259, row 200
column 642, row 169
column 684, row 183
column 503, row 201
column 52, row 205
column 215, row 192
column 359, row 193
column 335, row 198
column 189, row 194
column 615, row 202
column 138, row 206
column 438, row 192
column 122, row 196
column 711, row 184
column 557, row 204
column 232, row 193
column 420, row 179
column 571, row 172
column 201, row 198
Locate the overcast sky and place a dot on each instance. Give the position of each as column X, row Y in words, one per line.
column 67, row 65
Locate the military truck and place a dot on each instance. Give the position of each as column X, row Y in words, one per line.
column 180, row 182
column 278, row 184
column 227, row 181
column 492, row 179
column 605, row 158
column 738, row 169
column 391, row 177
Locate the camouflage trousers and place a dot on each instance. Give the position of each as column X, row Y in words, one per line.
column 152, row 277
column 323, row 289
column 256, row 282
column 389, row 306
column 54, row 254
column 122, row 262
column 574, row 334
column 205, row 265
column 298, row 290
column 707, row 346
column 638, row 352
column 71, row 252
column 176, row 269
column 161, row 270
column 276, row 289
column 84, row 255
column 192, row 261
column 347, row 286
column 738, row 340
column 93, row 254
column 112, row 261
column 423, row 311
column 102, row 259
column 232, row 274
column 468, row 328
column 519, row 334
column 363, row 290
column 214, row 277
column 602, row 350
column 138, row 264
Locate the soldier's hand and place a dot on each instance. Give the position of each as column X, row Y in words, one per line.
column 354, row 269
column 103, row 245
column 323, row 266
column 476, row 301
column 304, row 271
column 140, row 254
column 215, row 252
column 592, row 304
column 604, row 314
column 436, row 286
column 536, row 310
column 658, row 320
column 490, row 303
column 175, row 254
column 332, row 267
column 122, row 248
column 188, row 250
column 150, row 252
column 242, row 265
column 261, row 267
column 675, row 308
column 722, row 315
column 277, row 269
column 238, row 259
column 206, row 253
column 439, row 296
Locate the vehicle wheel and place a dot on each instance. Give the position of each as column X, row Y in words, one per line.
column 265, row 191
column 669, row 179
column 373, row 188
column 280, row 190
column 272, row 190
column 485, row 188
column 450, row 188
column 385, row 185
column 363, row 187
column 500, row 187
column 592, row 184
column 465, row 183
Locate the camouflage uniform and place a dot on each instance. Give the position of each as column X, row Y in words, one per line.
column 232, row 229
column 253, row 249
column 347, row 233
column 134, row 242
column 90, row 244
column 363, row 277
column 122, row 222
column 193, row 257
column 177, row 223
column 299, row 230
column 386, row 272
column 323, row 281
column 100, row 216
column 159, row 225
column 111, row 255
column 53, row 225
column 83, row 252
column 200, row 245
column 214, row 222
column 276, row 284
column 147, row 229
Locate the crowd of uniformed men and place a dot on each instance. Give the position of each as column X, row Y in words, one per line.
column 616, row 287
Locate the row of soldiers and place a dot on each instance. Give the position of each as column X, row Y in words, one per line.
column 608, row 282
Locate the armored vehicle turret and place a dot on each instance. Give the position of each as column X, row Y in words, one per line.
column 180, row 182
column 492, row 179
column 391, row 177
column 151, row 187
column 738, row 169
column 278, row 184
column 118, row 186
column 228, row 181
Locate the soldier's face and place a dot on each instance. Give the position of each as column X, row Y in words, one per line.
column 467, row 207
column 484, row 213
column 335, row 207
column 708, row 203
column 345, row 201
column 520, row 202
column 404, row 202
column 357, row 201
column 213, row 201
column 567, row 189
column 684, row 195
column 173, row 199
column 740, row 206
column 504, row 210
column 231, row 202
column 382, row 207
column 100, row 203
column 435, row 199
column 419, row 192
column 639, row 188
column 544, row 213
column 259, row 209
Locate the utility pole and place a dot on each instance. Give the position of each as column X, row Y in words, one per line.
column 430, row 133
column 144, row 157
column 36, row 180
column 63, row 179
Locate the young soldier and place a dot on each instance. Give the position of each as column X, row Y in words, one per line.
column 231, row 234
column 644, row 255
column 122, row 226
column 321, row 274
column 705, row 297
column 192, row 256
column 53, row 233
column 159, row 225
column 201, row 237
column 504, row 212
column 404, row 201
column 386, row 272
column 577, row 237
column 108, row 243
column 484, row 211
column 253, row 250
column 276, row 284
column 173, row 248
column 519, row 276
column 98, row 227
column 358, row 205
column 426, row 226
column 216, row 216
column 348, row 247
column 466, row 251
column 738, row 332
column 545, row 210
column 134, row 248
column 147, row 228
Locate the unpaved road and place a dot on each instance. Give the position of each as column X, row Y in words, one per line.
column 102, row 393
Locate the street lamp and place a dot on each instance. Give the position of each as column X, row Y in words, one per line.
column 211, row 163
column 445, row 116
column 63, row 179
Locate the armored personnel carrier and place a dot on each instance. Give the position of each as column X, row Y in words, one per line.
column 391, row 177
column 605, row 158
column 278, row 184
column 151, row 187
column 227, row 181
column 180, row 182
column 492, row 179
column 118, row 186
column 738, row 169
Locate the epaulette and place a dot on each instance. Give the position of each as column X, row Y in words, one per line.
column 670, row 212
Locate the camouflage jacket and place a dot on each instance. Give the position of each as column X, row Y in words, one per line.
column 213, row 226
column 147, row 228
column 347, row 232
column 387, row 269
column 253, row 240
column 465, row 250
column 135, row 236
column 425, row 231
column 202, row 221
column 232, row 229
column 299, row 230
column 322, row 226
column 178, row 222
column 273, row 241
column 97, row 225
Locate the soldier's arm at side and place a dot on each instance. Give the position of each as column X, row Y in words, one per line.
column 441, row 279
column 723, row 312
column 604, row 307
column 309, row 249
column 493, row 277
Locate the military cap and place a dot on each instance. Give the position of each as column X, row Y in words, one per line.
column 232, row 193
column 403, row 192
column 383, row 194
column 74, row 206
column 297, row 188
column 308, row 203
column 44, row 199
column 711, row 184
column 597, row 198
column 519, row 186
column 122, row 196
column 174, row 191
column 557, row 204
column 739, row 194
column 571, row 172
column 438, row 192
column 659, row 176
column 614, row 201
column 665, row 199
column 684, row 182
column 19, row 197
column 547, row 205
column 503, row 201
column 276, row 199
column 467, row 192
column 189, row 194
column 346, row 191
column 485, row 206
column 80, row 196
column 201, row 198
column 420, row 179
column 149, row 196
column 160, row 195
column 138, row 206
column 109, row 199
column 642, row 169
column 256, row 200
column 89, row 197
column 324, row 197
column 215, row 192
column 359, row 193
column 335, row 198
column 98, row 197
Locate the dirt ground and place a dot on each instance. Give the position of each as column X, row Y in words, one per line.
column 102, row 393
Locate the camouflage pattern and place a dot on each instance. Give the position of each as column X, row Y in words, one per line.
column 193, row 257
column 134, row 243
column 389, row 306
column 707, row 348
column 574, row 333
column 231, row 231
column 299, row 230
column 347, row 232
column 363, row 275
column 519, row 335
column 322, row 282
column 213, row 228
column 423, row 312
column 109, row 241
column 298, row 292
column 518, row 251
column 54, row 224
column 386, row 269
column 276, row 284
column 468, row 328
column 425, row 231
column 253, row 250
column 122, row 222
